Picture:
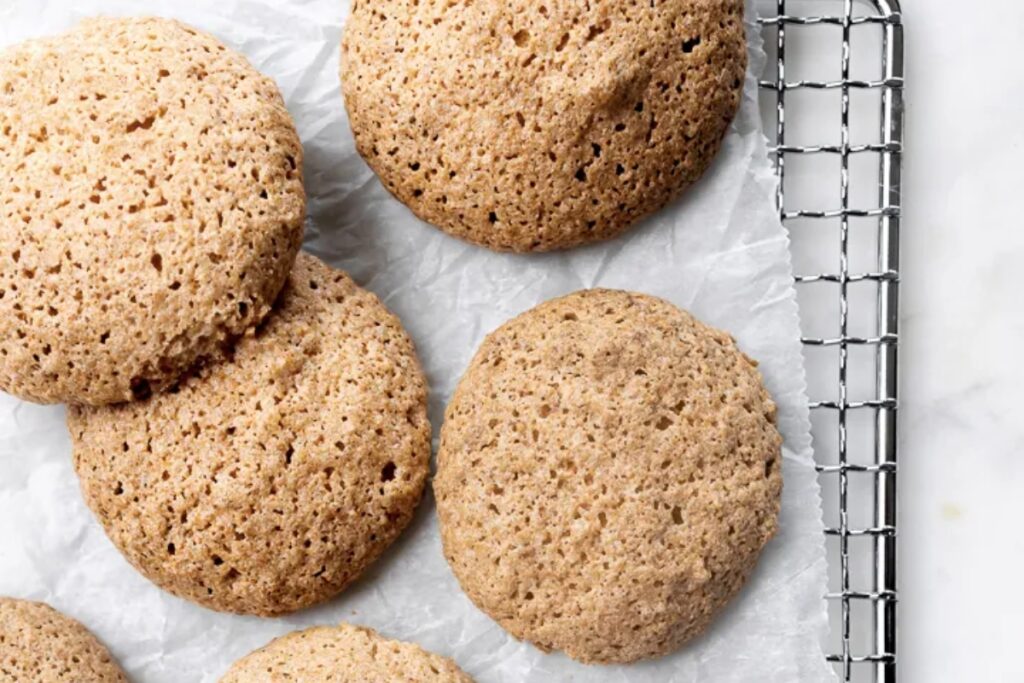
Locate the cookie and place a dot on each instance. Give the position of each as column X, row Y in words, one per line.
column 609, row 471
column 532, row 125
column 343, row 654
column 268, row 483
column 39, row 644
column 150, row 209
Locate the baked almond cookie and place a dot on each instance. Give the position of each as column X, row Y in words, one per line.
column 343, row 654
column 529, row 125
column 608, row 474
column 150, row 209
column 41, row 645
column 267, row 483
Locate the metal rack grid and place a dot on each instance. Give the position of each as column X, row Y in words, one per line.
column 853, row 215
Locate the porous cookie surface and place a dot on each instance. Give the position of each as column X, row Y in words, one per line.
column 268, row 483
column 608, row 474
column 343, row 654
column 540, row 124
column 151, row 205
column 41, row 645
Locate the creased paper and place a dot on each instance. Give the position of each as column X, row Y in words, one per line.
column 719, row 251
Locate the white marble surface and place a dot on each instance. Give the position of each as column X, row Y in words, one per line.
column 962, row 457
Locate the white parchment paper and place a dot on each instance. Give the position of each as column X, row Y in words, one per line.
column 719, row 251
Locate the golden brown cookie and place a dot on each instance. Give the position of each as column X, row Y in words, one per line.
column 343, row 654
column 41, row 645
column 268, row 483
column 529, row 125
column 608, row 474
column 150, row 209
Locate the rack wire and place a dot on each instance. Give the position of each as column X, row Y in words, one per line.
column 833, row 94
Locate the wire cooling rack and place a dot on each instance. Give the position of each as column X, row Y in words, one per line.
column 833, row 95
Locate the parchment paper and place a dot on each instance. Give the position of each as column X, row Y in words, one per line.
column 719, row 252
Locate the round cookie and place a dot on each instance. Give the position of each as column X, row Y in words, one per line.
column 343, row 654
column 39, row 644
column 151, row 207
column 530, row 125
column 267, row 483
column 608, row 474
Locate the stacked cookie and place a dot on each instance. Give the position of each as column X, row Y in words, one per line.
column 152, row 207
column 249, row 426
column 268, row 482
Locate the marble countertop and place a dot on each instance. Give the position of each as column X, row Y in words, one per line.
column 962, row 437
